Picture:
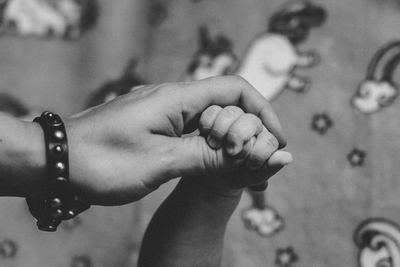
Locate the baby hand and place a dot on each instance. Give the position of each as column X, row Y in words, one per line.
column 243, row 137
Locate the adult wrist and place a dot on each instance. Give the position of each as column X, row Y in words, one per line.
column 59, row 202
column 34, row 159
column 22, row 158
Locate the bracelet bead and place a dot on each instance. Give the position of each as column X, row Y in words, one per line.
column 60, row 202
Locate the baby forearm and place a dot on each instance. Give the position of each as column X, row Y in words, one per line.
column 188, row 229
column 22, row 157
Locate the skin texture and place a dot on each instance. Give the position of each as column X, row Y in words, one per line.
column 22, row 157
column 188, row 228
column 126, row 148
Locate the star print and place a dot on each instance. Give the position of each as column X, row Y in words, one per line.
column 356, row 157
column 285, row 257
column 321, row 123
column 8, row 249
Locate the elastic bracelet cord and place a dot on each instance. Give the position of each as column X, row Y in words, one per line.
column 59, row 202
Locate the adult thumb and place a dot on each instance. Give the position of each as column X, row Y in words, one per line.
column 194, row 157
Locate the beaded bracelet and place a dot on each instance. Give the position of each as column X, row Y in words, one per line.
column 59, row 202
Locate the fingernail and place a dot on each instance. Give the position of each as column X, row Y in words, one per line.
column 287, row 159
column 237, row 149
column 212, row 142
column 230, row 149
column 233, row 149
column 252, row 165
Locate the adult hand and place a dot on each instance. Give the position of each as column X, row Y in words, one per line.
column 122, row 150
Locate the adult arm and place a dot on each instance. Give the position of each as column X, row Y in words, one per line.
column 22, row 157
column 123, row 150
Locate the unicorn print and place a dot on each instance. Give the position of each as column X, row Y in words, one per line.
column 379, row 90
column 271, row 59
column 268, row 64
column 61, row 18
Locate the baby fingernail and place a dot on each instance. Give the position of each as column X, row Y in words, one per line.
column 237, row 151
column 230, row 149
column 252, row 165
column 212, row 142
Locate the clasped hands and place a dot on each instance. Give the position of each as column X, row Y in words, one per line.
column 123, row 150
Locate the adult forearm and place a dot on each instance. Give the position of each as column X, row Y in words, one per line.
column 189, row 227
column 22, row 157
